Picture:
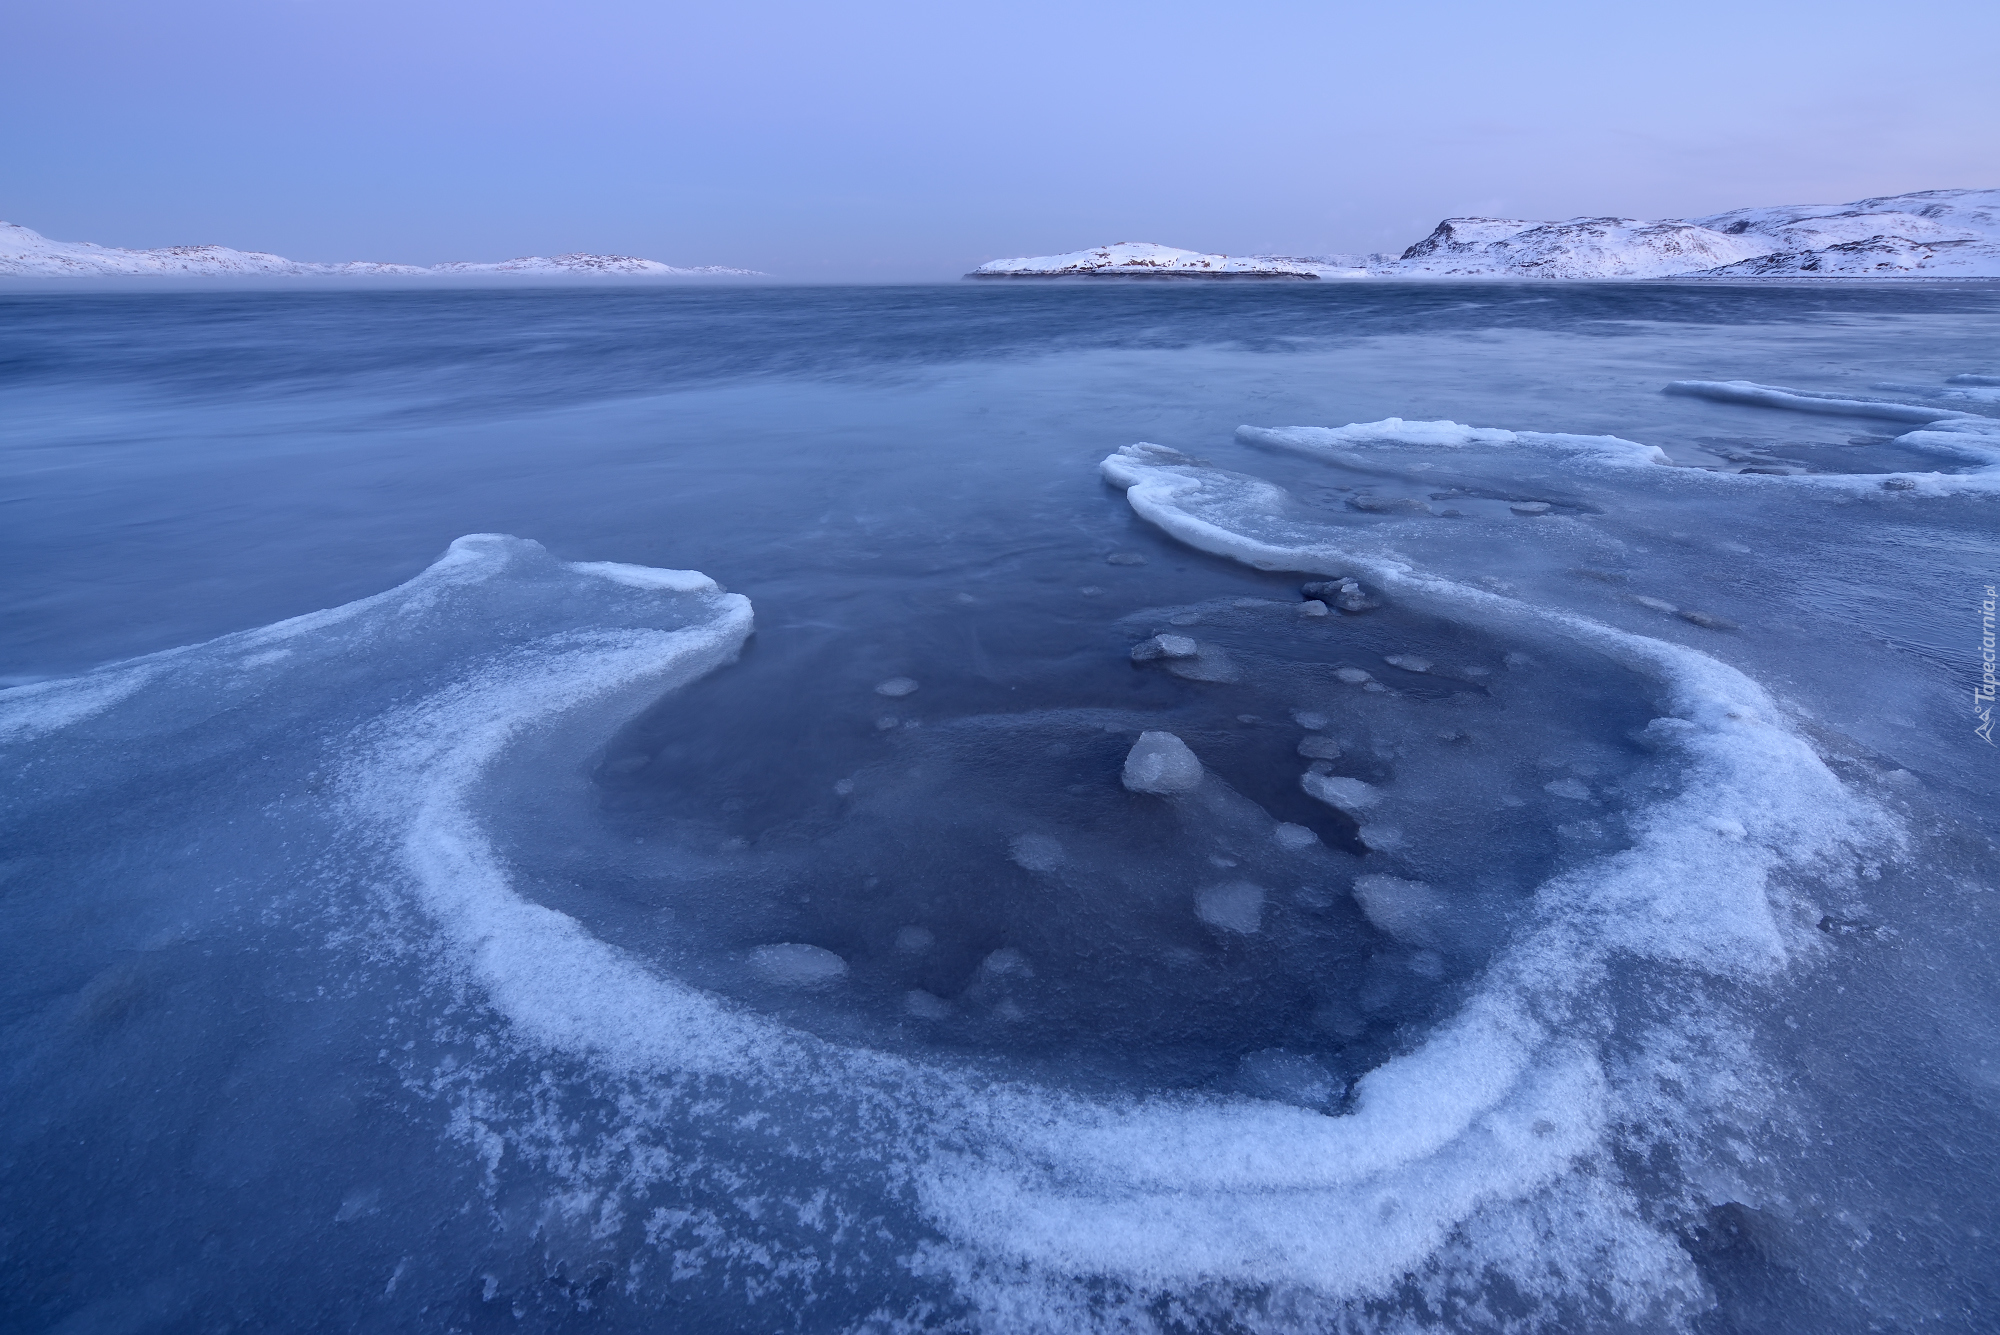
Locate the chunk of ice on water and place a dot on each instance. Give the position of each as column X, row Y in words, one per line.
column 1309, row 719
column 1036, row 852
column 1353, row 676
column 1006, row 962
column 1160, row 762
column 924, row 1006
column 1319, row 748
column 1406, row 910
column 1286, row 1077
column 1125, row 559
column 1529, row 507
column 914, row 940
column 1407, row 662
column 1312, row 607
column 896, row 687
column 1572, row 789
column 1294, row 837
column 1164, row 646
column 1349, row 795
column 1236, row 907
column 794, row 964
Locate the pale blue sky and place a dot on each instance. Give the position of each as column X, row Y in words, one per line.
column 889, row 140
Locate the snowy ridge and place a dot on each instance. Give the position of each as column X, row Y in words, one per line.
column 1144, row 259
column 1928, row 233
column 1579, row 248
column 1947, row 233
column 28, row 254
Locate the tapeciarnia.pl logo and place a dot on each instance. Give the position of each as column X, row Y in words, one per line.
column 1982, row 697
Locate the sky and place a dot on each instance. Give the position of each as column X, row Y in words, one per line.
column 889, row 141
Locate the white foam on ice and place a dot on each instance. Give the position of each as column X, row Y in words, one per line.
column 1504, row 1118
column 40, row 708
column 1376, row 447
column 1498, row 1107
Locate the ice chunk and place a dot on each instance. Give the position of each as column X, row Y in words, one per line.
column 1343, row 593
column 1529, row 507
column 1294, row 838
column 1160, row 762
column 1319, row 748
column 1353, row 676
column 1164, row 646
column 1310, row 720
column 896, row 687
column 1572, row 789
column 1006, row 962
column 1286, row 1077
column 1406, row 910
column 914, row 940
column 1036, row 852
column 1349, row 795
column 1407, row 662
column 1125, row 559
column 794, row 964
column 1208, row 664
column 923, row 1005
column 1312, row 607
column 1236, row 907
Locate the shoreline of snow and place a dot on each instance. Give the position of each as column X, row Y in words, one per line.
column 25, row 253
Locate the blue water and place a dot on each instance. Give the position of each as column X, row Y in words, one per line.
column 270, row 1067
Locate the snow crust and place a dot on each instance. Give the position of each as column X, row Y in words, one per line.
column 28, row 254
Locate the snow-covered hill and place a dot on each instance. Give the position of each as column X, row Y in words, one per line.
column 1953, row 233
column 1941, row 233
column 1143, row 259
column 28, row 254
column 1579, row 248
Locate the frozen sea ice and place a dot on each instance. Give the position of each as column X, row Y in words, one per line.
column 1160, row 762
column 793, row 964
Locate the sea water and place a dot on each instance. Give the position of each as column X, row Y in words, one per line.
column 1345, row 807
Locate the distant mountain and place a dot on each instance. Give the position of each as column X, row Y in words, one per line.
column 27, row 254
column 1930, row 233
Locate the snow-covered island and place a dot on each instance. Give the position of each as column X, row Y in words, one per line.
column 1143, row 259
column 28, row 254
column 1928, row 234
